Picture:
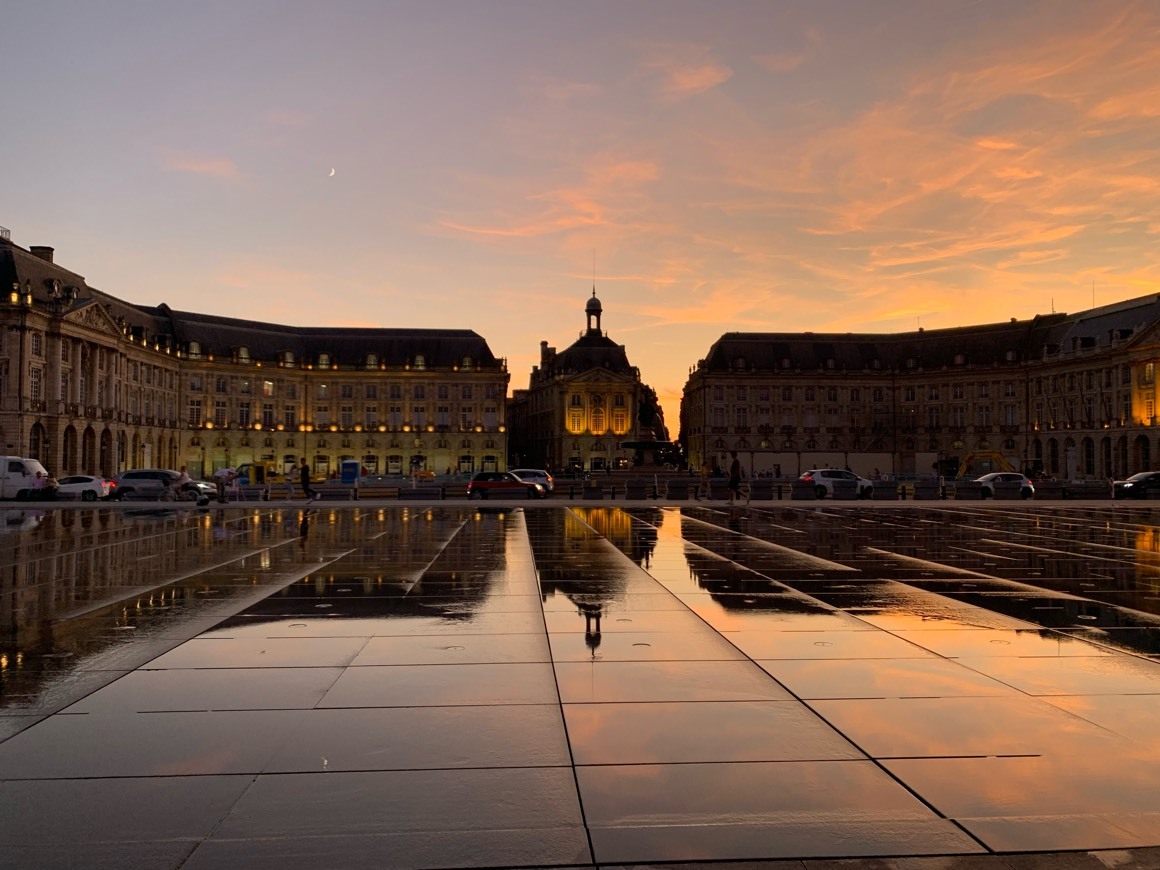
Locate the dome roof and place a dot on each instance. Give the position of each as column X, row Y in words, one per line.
column 593, row 306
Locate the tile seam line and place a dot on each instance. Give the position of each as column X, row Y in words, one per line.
column 886, row 771
column 556, row 683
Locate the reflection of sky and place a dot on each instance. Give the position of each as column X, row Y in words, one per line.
column 823, row 166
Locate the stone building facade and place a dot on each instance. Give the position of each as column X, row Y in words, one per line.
column 90, row 383
column 1073, row 394
column 585, row 408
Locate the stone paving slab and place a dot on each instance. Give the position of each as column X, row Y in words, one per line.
column 882, row 685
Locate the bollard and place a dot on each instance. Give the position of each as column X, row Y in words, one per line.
column 571, row 491
column 612, row 492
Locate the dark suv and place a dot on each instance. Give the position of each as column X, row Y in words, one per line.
column 503, row 483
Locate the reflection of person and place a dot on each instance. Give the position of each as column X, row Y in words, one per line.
column 734, row 477
column 304, row 529
column 304, row 475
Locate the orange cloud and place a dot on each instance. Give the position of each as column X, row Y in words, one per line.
column 215, row 167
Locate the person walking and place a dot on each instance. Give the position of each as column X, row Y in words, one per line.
column 705, row 490
column 290, row 475
column 734, row 478
column 304, row 476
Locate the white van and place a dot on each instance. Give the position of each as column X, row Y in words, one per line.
column 17, row 474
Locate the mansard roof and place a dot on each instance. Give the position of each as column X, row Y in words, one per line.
column 985, row 344
column 592, row 351
column 223, row 335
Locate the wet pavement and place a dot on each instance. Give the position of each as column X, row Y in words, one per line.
column 893, row 686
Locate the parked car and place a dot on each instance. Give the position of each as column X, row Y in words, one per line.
column 503, row 483
column 823, row 480
column 1007, row 478
column 161, row 483
column 535, row 475
column 86, row 487
column 1140, row 485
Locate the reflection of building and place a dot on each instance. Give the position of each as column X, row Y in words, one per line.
column 1075, row 392
column 581, row 403
column 89, row 383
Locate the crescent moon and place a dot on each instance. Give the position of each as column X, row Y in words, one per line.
column 332, row 171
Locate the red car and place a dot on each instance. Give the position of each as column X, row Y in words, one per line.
column 502, row 484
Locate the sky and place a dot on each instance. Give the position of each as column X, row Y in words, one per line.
column 711, row 166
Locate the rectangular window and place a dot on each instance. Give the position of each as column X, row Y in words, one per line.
column 371, row 391
column 444, row 392
column 291, row 391
column 321, row 415
column 419, row 391
column 267, row 416
column 831, row 394
column 419, row 416
column 246, row 389
column 220, row 385
column 575, row 421
column 718, row 394
column 465, row 392
column 877, row 395
column 220, row 412
column 740, row 394
column 741, row 417
column 322, row 391
column 983, row 413
column 290, row 417
column 787, row 394
column 1010, row 415
column 810, row 394
column 932, row 418
column 243, row 415
column 372, row 416
column 717, row 416
column 618, row 400
column 195, row 417
column 267, row 389
column 395, row 416
column 909, row 394
column 984, row 391
column 35, row 390
column 346, row 391
column 443, row 415
column 855, row 395
column 574, row 401
column 346, row 416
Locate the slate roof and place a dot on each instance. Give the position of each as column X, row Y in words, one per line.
column 935, row 348
column 592, row 351
column 265, row 341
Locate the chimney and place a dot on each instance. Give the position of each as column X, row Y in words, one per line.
column 42, row 251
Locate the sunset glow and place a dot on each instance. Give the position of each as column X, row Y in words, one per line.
column 751, row 166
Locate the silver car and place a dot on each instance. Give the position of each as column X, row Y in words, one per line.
column 824, row 479
column 535, row 475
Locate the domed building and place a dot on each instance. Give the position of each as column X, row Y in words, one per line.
column 585, row 408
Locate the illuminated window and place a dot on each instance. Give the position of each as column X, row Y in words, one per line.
column 598, row 420
column 575, row 422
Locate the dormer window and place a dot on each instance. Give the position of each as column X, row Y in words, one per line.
column 831, row 364
column 786, row 363
column 960, row 359
column 911, row 363
column 195, row 348
column 420, row 361
column 287, row 358
column 467, row 362
column 324, row 360
column 1012, row 356
column 876, row 364
column 243, row 354
column 372, row 360
column 739, row 363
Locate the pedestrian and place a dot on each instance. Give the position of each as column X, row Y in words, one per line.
column 290, row 475
column 304, row 476
column 734, row 477
column 222, row 478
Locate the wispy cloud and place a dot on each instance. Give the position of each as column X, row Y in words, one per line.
column 215, row 167
column 780, row 62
